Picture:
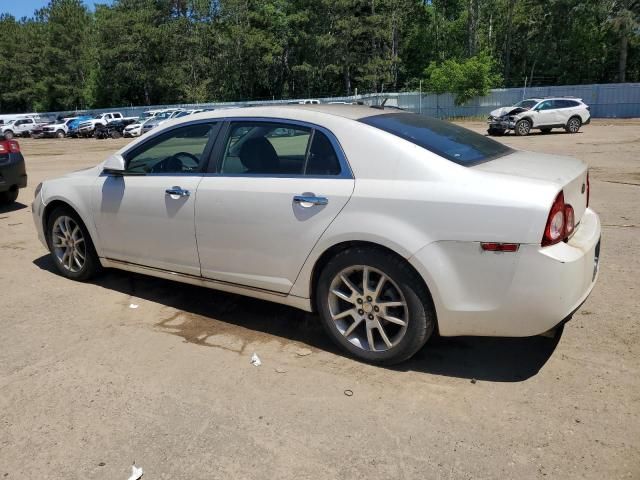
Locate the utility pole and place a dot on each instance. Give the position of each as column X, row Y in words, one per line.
column 420, row 104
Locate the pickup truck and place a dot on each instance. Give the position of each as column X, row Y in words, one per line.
column 87, row 129
column 74, row 125
column 58, row 129
column 18, row 128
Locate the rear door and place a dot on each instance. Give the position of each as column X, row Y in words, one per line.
column 276, row 187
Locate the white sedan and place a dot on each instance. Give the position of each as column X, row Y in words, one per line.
column 387, row 224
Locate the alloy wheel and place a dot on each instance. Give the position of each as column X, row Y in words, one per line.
column 523, row 128
column 574, row 125
column 68, row 243
column 368, row 308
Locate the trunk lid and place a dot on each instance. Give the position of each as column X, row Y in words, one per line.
column 566, row 173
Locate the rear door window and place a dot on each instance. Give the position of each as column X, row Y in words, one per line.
column 278, row 149
column 450, row 141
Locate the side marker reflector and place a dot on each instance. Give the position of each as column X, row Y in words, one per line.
column 499, row 247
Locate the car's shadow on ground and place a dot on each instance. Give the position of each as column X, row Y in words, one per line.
column 12, row 207
column 209, row 312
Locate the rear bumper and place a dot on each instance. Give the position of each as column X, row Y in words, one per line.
column 510, row 294
column 12, row 172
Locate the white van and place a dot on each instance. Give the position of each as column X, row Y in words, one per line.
column 18, row 116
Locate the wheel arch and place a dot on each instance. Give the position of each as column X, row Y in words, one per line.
column 51, row 206
column 333, row 250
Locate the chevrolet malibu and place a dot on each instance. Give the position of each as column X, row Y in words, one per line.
column 388, row 224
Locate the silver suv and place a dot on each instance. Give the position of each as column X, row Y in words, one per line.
column 542, row 113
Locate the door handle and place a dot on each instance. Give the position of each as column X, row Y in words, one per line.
column 177, row 191
column 310, row 200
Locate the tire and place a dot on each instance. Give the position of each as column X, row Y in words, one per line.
column 8, row 134
column 497, row 132
column 60, row 134
column 573, row 125
column 8, row 197
column 523, row 127
column 65, row 216
column 545, row 130
column 402, row 287
column 115, row 134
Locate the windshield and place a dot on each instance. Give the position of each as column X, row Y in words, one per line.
column 528, row 104
column 450, row 141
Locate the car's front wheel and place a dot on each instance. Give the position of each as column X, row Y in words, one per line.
column 374, row 305
column 523, row 127
column 60, row 134
column 70, row 245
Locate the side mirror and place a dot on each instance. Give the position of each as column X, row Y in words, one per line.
column 114, row 165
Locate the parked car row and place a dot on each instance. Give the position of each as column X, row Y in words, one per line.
column 102, row 125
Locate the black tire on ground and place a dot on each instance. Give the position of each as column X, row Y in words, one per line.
column 91, row 266
column 115, row 134
column 8, row 197
column 8, row 134
column 573, row 125
column 421, row 318
column 60, row 134
column 497, row 132
column 523, row 127
column 545, row 130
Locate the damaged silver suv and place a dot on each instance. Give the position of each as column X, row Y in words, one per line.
column 542, row 113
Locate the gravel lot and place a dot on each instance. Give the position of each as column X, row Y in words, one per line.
column 89, row 385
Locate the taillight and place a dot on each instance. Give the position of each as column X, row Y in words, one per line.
column 588, row 189
column 569, row 220
column 9, row 146
column 554, row 230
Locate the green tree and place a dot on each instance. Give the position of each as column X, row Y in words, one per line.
column 470, row 78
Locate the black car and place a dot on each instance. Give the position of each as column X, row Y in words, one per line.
column 13, row 175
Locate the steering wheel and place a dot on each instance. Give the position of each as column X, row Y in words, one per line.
column 174, row 164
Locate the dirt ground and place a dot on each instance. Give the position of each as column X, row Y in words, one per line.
column 89, row 385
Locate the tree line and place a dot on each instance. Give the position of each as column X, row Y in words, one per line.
column 145, row 52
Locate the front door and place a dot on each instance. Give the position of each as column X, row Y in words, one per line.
column 546, row 114
column 146, row 216
column 277, row 188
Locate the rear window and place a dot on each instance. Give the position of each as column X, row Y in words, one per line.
column 450, row 141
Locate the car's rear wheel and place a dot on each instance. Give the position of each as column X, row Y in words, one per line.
column 60, row 134
column 523, row 127
column 8, row 197
column 374, row 305
column 8, row 134
column 545, row 130
column 573, row 125
column 70, row 244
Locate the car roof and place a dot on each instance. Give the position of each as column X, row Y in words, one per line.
column 352, row 112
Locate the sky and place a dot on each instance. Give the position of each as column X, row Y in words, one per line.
column 25, row 8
